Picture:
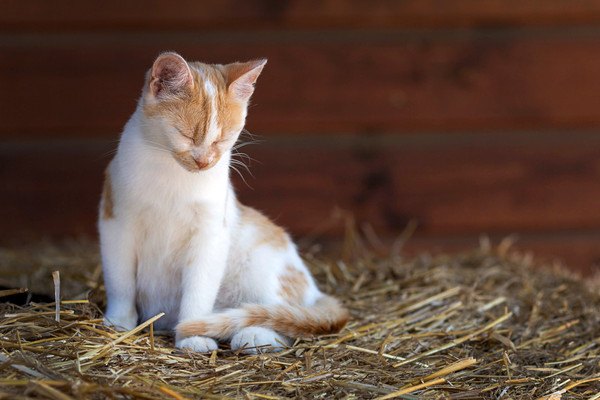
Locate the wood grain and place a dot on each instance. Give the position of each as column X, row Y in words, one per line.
column 87, row 86
column 61, row 15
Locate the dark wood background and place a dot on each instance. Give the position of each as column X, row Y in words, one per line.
column 470, row 117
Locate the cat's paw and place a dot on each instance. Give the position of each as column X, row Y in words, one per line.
column 254, row 339
column 121, row 323
column 200, row 344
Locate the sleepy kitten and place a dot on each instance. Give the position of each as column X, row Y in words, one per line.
column 173, row 237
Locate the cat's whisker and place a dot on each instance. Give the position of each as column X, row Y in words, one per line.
column 239, row 163
column 245, row 131
column 242, row 164
column 157, row 146
column 241, row 176
column 244, row 144
column 252, row 137
column 147, row 140
column 247, row 136
column 107, row 154
column 243, row 158
column 247, row 157
column 160, row 150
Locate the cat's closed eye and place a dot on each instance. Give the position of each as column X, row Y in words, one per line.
column 222, row 142
column 185, row 134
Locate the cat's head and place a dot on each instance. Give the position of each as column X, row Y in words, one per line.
column 196, row 111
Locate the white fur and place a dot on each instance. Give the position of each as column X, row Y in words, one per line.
column 149, row 268
column 209, row 88
column 199, row 344
column 213, row 129
column 254, row 339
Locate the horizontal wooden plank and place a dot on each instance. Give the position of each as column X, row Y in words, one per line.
column 496, row 183
column 314, row 84
column 233, row 14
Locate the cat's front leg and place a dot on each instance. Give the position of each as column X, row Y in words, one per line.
column 201, row 280
column 118, row 265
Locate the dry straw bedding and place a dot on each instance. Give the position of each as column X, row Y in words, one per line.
column 480, row 325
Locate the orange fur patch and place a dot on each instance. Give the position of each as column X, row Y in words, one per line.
column 192, row 111
column 325, row 317
column 193, row 328
column 107, row 197
column 269, row 233
column 293, row 285
column 223, row 328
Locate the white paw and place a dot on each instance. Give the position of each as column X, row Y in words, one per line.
column 121, row 323
column 255, row 339
column 200, row 344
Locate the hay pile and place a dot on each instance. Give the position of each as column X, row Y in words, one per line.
column 480, row 325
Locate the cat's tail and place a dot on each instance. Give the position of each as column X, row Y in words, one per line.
column 326, row 316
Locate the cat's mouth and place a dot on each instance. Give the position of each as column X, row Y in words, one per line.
column 195, row 164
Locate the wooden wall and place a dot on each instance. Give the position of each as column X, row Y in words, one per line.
column 467, row 116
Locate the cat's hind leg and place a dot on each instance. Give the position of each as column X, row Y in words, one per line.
column 271, row 276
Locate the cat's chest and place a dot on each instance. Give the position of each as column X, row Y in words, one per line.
column 168, row 234
column 166, row 204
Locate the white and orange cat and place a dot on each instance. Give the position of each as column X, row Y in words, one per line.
column 173, row 237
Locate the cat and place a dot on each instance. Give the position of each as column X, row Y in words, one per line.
column 173, row 237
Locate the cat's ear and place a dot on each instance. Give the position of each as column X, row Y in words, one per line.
column 170, row 75
column 241, row 78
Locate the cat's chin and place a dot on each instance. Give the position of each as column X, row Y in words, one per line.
column 194, row 168
column 190, row 165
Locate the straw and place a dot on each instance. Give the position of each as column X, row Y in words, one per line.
column 56, row 280
column 490, row 323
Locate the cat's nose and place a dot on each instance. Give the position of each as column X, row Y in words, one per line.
column 202, row 162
